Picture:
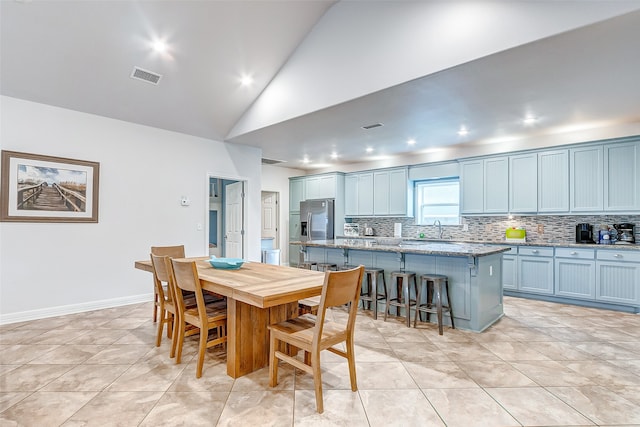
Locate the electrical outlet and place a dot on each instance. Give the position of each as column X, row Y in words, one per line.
column 465, row 227
column 540, row 229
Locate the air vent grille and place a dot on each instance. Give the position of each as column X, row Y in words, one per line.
column 271, row 161
column 375, row 125
column 145, row 75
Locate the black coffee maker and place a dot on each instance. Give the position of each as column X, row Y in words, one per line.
column 584, row 233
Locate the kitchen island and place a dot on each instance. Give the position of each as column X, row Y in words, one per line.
column 474, row 270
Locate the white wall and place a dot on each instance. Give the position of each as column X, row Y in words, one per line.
column 53, row 268
column 276, row 179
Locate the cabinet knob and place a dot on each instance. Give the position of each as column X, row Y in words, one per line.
column 574, row 253
column 535, row 251
column 617, row 256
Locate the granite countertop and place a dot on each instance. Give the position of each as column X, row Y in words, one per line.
column 441, row 248
column 547, row 243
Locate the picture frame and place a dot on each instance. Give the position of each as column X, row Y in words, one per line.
column 39, row 188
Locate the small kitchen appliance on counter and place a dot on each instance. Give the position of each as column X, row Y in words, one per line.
column 515, row 235
column 584, row 233
column 351, row 230
column 368, row 231
column 626, row 233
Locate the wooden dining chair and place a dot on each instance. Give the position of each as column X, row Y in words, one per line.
column 314, row 334
column 165, row 300
column 205, row 317
column 173, row 252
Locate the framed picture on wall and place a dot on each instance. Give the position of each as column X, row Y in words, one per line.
column 37, row 188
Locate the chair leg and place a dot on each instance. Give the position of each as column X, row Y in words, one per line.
column 373, row 286
column 317, row 380
column 437, row 290
column 273, row 362
column 180, row 342
column 174, row 336
column 352, row 364
column 202, row 348
column 155, row 306
column 163, row 314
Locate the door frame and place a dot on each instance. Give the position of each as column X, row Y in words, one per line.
column 245, row 180
column 276, row 243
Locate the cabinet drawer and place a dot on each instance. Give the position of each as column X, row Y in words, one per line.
column 575, row 253
column 535, row 251
column 614, row 255
column 512, row 251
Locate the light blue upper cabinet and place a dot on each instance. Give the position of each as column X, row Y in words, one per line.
column 358, row 194
column 391, row 196
column 320, row 187
column 586, row 179
column 553, row 181
column 296, row 193
column 622, row 176
column 523, row 183
column 496, row 185
column 472, row 186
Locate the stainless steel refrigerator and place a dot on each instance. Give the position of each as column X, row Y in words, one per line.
column 316, row 219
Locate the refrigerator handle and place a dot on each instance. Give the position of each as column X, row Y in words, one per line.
column 309, row 225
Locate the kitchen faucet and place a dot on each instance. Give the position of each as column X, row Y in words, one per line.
column 440, row 232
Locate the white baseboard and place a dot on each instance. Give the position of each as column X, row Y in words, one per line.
column 62, row 310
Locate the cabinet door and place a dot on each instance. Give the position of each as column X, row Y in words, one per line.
column 327, row 187
column 510, row 272
column 294, row 226
column 382, row 188
column 399, row 193
column 351, row 195
column 365, row 194
column 523, row 183
column 496, row 185
column 535, row 274
column 575, row 278
column 585, row 179
column 472, row 187
column 295, row 255
column 296, row 194
column 553, row 181
column 622, row 177
column 618, row 282
column 312, row 188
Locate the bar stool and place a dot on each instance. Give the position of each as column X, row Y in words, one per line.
column 326, row 266
column 308, row 264
column 403, row 299
column 346, row 267
column 371, row 293
column 433, row 284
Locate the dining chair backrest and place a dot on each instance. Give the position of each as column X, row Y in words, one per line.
column 170, row 251
column 160, row 272
column 185, row 276
column 340, row 288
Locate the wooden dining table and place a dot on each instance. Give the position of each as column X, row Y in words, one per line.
column 257, row 295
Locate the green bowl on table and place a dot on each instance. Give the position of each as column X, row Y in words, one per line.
column 226, row 263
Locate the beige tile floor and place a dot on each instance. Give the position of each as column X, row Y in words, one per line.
column 543, row 364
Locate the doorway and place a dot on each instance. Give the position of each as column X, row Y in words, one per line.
column 226, row 219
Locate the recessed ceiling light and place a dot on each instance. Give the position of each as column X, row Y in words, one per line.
column 369, row 150
column 463, row 131
column 334, row 155
column 529, row 120
column 246, row 80
column 159, row 46
column 411, row 141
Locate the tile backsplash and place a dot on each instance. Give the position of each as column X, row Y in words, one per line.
column 556, row 228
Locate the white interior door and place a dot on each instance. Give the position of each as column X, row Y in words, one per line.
column 270, row 217
column 233, row 216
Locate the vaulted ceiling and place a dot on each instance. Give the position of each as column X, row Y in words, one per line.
column 322, row 70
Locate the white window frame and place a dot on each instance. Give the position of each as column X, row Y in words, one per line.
column 419, row 205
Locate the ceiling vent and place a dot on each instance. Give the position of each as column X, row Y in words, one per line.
column 271, row 161
column 375, row 125
column 145, row 75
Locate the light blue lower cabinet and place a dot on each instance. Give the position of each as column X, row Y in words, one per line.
column 510, row 272
column 475, row 284
column 618, row 277
column 535, row 270
column 575, row 273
